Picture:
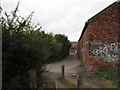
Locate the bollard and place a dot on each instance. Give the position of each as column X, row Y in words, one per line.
column 88, row 70
column 62, row 72
column 80, row 80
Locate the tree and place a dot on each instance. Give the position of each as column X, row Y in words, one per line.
column 25, row 47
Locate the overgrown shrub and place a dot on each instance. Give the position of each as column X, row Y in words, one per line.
column 26, row 46
column 113, row 75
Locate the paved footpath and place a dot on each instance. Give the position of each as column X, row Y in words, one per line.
column 72, row 66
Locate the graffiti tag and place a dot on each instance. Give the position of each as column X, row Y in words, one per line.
column 109, row 52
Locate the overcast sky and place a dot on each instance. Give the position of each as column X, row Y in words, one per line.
column 59, row 16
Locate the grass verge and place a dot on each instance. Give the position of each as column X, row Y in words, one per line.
column 113, row 75
column 67, row 83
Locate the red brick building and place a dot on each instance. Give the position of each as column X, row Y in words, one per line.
column 73, row 48
column 99, row 42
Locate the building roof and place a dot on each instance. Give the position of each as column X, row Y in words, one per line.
column 97, row 15
column 74, row 43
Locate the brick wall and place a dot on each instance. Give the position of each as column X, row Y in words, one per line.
column 73, row 48
column 98, row 45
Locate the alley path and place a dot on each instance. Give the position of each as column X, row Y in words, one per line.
column 71, row 64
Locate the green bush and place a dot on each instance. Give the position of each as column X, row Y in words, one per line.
column 108, row 74
column 26, row 46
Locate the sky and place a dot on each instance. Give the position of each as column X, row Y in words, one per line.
column 59, row 16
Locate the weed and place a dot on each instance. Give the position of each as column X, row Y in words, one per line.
column 68, row 84
column 108, row 74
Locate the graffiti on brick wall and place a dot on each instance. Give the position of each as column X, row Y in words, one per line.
column 109, row 52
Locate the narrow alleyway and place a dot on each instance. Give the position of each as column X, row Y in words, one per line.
column 72, row 67
column 71, row 64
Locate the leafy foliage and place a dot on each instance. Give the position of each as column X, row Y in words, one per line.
column 109, row 74
column 27, row 46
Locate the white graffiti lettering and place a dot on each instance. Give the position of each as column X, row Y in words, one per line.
column 109, row 52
